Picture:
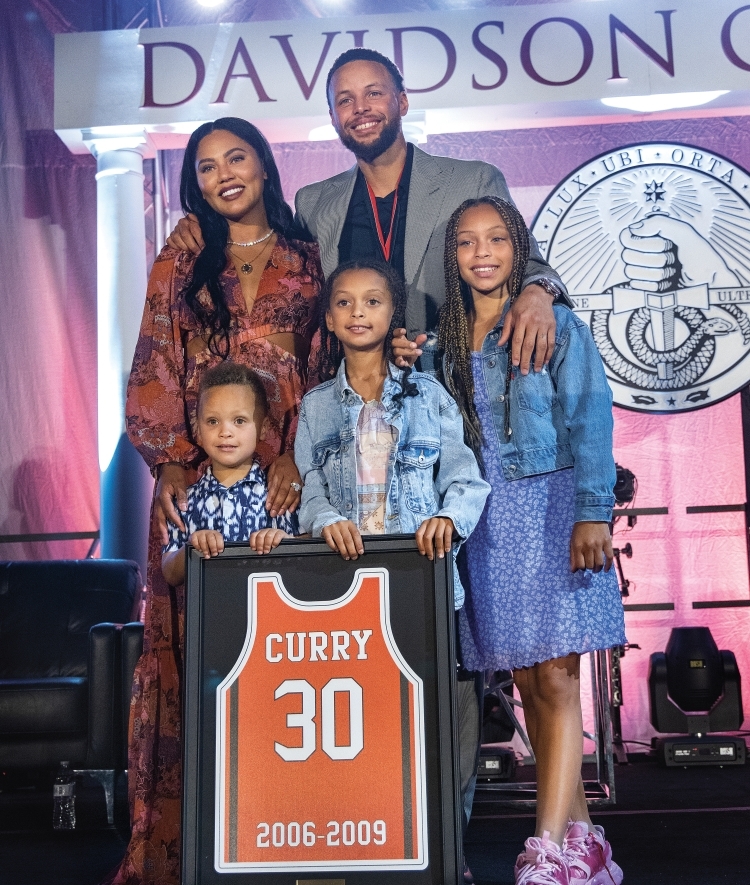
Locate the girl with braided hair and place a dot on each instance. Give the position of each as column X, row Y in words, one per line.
column 540, row 588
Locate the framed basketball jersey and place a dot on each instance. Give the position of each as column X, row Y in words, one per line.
column 319, row 717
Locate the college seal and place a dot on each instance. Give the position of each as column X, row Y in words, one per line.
column 653, row 243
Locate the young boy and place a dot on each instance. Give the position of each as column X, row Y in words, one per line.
column 228, row 501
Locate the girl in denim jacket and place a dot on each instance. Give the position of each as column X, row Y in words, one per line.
column 541, row 589
column 380, row 449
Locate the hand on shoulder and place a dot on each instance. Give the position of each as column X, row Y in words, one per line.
column 187, row 236
column 531, row 320
column 406, row 352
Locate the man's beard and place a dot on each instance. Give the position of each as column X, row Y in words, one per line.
column 369, row 152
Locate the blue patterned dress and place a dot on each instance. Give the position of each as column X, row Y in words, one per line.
column 524, row 605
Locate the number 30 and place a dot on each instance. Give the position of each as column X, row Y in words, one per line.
column 306, row 719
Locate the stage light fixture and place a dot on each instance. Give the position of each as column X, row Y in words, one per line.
column 626, row 485
column 695, row 691
column 625, row 490
column 647, row 104
column 495, row 764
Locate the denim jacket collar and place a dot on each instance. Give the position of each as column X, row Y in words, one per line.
column 497, row 329
column 431, row 472
column 391, row 388
column 490, row 338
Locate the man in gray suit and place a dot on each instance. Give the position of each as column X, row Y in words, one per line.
column 395, row 204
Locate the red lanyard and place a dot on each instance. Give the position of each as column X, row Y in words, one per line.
column 385, row 245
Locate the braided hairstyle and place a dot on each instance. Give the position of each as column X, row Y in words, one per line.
column 454, row 330
column 331, row 349
column 214, row 316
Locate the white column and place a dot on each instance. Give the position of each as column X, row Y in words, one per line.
column 121, row 290
column 121, row 279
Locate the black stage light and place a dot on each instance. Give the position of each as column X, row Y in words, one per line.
column 495, row 764
column 695, row 690
column 626, row 485
column 625, row 489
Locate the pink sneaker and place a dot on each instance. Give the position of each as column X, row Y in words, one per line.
column 589, row 856
column 542, row 863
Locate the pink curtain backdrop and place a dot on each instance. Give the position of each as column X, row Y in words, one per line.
column 48, row 463
column 49, row 476
column 683, row 461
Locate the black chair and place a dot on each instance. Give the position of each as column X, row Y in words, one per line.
column 64, row 692
column 131, row 648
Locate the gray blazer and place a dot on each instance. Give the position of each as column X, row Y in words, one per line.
column 438, row 186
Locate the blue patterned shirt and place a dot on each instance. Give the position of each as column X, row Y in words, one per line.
column 236, row 512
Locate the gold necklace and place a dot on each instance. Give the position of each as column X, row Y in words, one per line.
column 246, row 267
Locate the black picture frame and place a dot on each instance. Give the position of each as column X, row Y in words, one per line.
column 422, row 621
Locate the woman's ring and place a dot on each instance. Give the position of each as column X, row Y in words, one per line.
column 296, row 486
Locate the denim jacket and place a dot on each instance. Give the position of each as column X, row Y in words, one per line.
column 432, row 472
column 559, row 417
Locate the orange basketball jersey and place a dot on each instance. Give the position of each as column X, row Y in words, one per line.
column 320, row 737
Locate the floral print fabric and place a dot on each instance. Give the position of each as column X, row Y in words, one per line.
column 524, row 605
column 171, row 355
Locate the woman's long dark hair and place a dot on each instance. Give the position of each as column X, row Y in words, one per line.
column 215, row 318
column 453, row 333
column 331, row 350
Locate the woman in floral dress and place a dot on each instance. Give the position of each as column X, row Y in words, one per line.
column 251, row 297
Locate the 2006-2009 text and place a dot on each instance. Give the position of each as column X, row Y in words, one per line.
column 293, row 834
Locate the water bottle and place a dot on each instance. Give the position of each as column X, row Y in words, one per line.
column 64, row 792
